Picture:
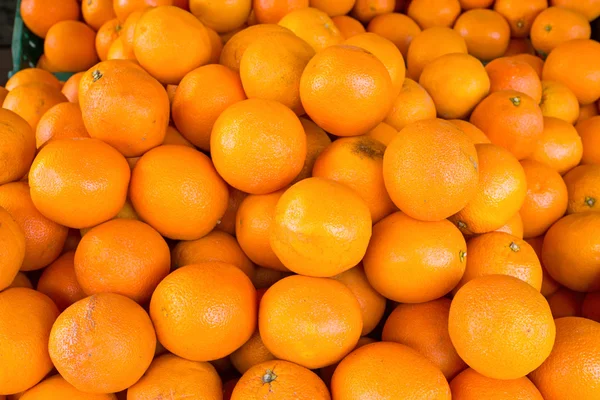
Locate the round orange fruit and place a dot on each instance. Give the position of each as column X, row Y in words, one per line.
column 12, row 253
column 486, row 33
column 583, row 189
column 313, row 26
column 471, row 385
column 58, row 281
column 17, row 146
column 560, row 146
column 556, row 25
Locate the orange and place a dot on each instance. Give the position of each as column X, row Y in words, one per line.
column 12, row 252
column 411, row 105
column 314, row 26
column 549, row 285
column 223, row 15
column 326, row 373
column 398, row 28
column 112, row 349
column 432, row 261
column 272, row 11
column 348, row 26
column 45, row 65
column 383, row 133
column 79, row 182
column 393, row 367
column 71, row 87
column 486, row 33
column 280, row 379
column 559, row 101
column 424, row 328
column 366, row 10
column 556, row 25
column 589, row 8
column 160, row 189
column 97, row 12
column 266, row 277
column 159, row 36
column 470, row 4
column 583, row 189
column 568, row 372
column 127, row 32
column 205, row 311
column 57, row 388
column 216, row 246
column 457, row 83
column 44, row 239
column 316, row 141
column 254, row 220
column 106, row 36
column 489, row 338
column 570, row 242
column 279, row 78
column 574, row 63
column 124, row 8
column 251, row 353
column 303, row 235
column 520, row 14
column 565, row 303
column 431, row 44
column 534, row 61
column 590, row 138
column 518, row 46
column 510, row 74
column 62, row 121
column 172, row 136
column 471, row 385
column 416, row 169
column 227, row 221
column 27, row 317
column 169, row 375
column 59, row 282
column 31, row 100
column 40, row 15
column 202, row 95
column 546, row 199
column 126, row 212
column 216, row 45
column 587, row 111
column 515, row 123
column 430, row 13
column 501, row 253
column 513, row 227
column 590, row 308
column 17, row 146
column 117, row 51
column 372, row 304
column 357, row 162
column 70, row 46
column 313, row 322
column 328, row 94
column 559, row 147
column 32, row 75
column 473, row 132
column 335, row 8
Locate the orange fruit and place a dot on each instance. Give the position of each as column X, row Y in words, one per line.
column 55, row 387
column 57, row 179
column 216, row 45
column 513, row 227
column 172, row 136
column 567, row 373
column 17, row 146
column 62, row 121
column 583, row 189
column 515, row 124
column 44, row 239
column 106, row 36
column 314, row 26
column 227, row 221
column 535, row 62
column 251, row 353
column 430, row 13
column 431, row 44
column 473, row 132
column 202, row 95
column 127, row 32
column 12, row 253
column 118, row 51
column 549, row 285
column 471, row 385
column 590, row 308
column 470, row 4
column 354, row 378
column 44, row 64
column 279, row 78
column 348, row 26
column 357, row 162
column 456, row 82
column 546, row 199
column 424, row 328
column 398, row 28
column 272, row 11
column 258, row 146
column 97, row 12
column 222, row 16
column 335, row 8
column 411, row 105
column 169, row 375
column 590, row 138
column 27, row 317
column 317, row 140
column 301, row 235
column 111, row 351
column 32, row 75
column 520, row 14
column 518, row 46
column 558, row 101
column 280, row 379
column 31, row 100
column 509, row 74
column 126, row 212
column 70, row 46
column 40, row 15
column 574, row 64
column 383, row 133
column 159, row 36
column 71, row 87
column 589, row 8
column 124, row 8
column 59, row 282
column 486, row 334
column 486, row 33
column 326, row 373
column 266, row 277
column 556, row 25
column 416, row 165
column 414, row 277
column 205, row 311
column 313, row 322
column 327, row 90
column 560, row 146
column 587, row 111
column 366, row 10
column 565, row 303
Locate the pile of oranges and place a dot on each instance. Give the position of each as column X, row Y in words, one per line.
column 302, row 200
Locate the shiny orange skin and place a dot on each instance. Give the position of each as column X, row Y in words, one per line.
column 424, row 328
column 559, row 101
column 590, row 138
column 415, row 166
column 106, row 36
column 160, row 188
column 431, row 44
column 589, row 8
column 567, row 373
column 333, row 8
column 556, row 25
column 71, row 87
column 56, row 186
column 509, row 74
column 12, row 252
column 414, row 277
column 271, row 11
column 314, row 26
column 473, row 132
column 398, row 28
column 59, row 282
column 430, row 13
column 25, row 344
column 316, row 141
column 44, row 238
column 518, row 46
column 227, row 221
column 97, row 12
column 590, row 308
column 471, row 385
column 486, row 33
column 127, row 32
column 559, row 147
column 222, row 16
column 216, row 45
column 70, row 46
column 411, row 105
column 326, row 373
column 251, row 353
column 204, row 312
column 366, row 10
column 520, row 14
column 408, row 375
column 201, row 96
column 124, row 8
column 546, row 199
column 17, row 146
column 313, row 322
column 470, row 4
column 39, row 15
column 31, row 100
column 587, row 111
column 62, row 121
column 32, row 75
column 112, row 349
column 482, row 313
column 57, row 388
column 118, row 51
column 582, row 188
column 348, row 26
column 383, row 133
column 513, row 227
column 565, row 303
column 549, row 285
column 515, row 124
